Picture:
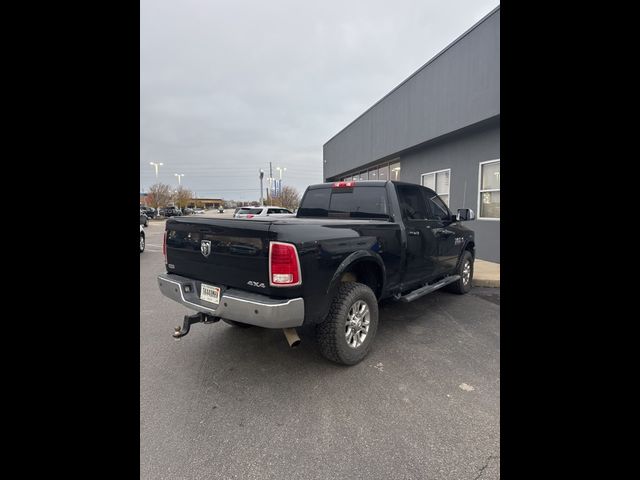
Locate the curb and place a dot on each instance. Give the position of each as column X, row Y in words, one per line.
column 485, row 282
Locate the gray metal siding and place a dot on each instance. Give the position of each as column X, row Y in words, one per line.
column 462, row 153
column 456, row 89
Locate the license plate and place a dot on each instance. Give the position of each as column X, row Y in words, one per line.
column 210, row 294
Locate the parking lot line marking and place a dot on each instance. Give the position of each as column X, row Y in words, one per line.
column 153, row 245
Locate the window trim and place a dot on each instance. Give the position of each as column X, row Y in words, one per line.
column 436, row 185
column 480, row 191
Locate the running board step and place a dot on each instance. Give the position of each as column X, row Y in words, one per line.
column 420, row 292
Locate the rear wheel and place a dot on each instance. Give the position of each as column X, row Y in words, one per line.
column 465, row 270
column 141, row 242
column 347, row 334
column 233, row 323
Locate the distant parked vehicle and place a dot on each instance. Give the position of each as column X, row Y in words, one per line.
column 198, row 211
column 188, row 211
column 221, row 210
column 144, row 220
column 266, row 211
column 170, row 212
column 148, row 211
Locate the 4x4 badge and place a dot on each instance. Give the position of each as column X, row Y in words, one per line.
column 205, row 247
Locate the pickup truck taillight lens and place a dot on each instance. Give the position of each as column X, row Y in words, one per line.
column 164, row 246
column 284, row 265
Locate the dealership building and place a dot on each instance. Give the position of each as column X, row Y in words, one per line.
column 439, row 128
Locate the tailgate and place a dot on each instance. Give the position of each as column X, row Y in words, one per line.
column 224, row 252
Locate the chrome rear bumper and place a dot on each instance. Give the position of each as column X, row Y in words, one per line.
column 238, row 305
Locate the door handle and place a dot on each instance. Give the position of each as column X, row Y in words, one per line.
column 414, row 233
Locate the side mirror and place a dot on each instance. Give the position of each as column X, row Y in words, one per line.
column 465, row 214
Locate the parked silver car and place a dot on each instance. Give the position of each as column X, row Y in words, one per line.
column 266, row 211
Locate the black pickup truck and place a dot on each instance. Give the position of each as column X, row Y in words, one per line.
column 350, row 245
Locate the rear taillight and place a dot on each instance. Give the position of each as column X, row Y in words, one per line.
column 250, row 215
column 164, row 247
column 284, row 265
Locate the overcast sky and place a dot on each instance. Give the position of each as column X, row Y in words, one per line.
column 228, row 86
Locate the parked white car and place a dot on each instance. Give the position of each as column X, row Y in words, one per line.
column 198, row 211
column 266, row 211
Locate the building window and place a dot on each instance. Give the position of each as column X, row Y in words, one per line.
column 395, row 171
column 439, row 183
column 489, row 188
column 383, row 172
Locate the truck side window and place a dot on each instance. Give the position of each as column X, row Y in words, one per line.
column 411, row 202
column 438, row 210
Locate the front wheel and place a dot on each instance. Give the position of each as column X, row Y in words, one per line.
column 347, row 334
column 465, row 270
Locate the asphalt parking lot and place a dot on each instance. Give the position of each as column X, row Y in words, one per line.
column 237, row 403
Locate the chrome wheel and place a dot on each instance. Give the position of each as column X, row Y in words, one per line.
column 466, row 272
column 357, row 324
column 141, row 243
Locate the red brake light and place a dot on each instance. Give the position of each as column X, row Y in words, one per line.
column 164, row 246
column 284, row 265
column 344, row 184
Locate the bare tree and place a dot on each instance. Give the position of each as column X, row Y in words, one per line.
column 159, row 195
column 182, row 196
column 289, row 198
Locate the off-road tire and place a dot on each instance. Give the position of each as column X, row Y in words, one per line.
column 460, row 286
column 330, row 334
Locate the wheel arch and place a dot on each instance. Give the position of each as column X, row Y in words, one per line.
column 364, row 267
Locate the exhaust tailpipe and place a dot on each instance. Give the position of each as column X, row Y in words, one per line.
column 292, row 336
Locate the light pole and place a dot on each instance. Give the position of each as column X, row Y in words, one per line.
column 179, row 175
column 156, row 165
column 261, row 177
column 280, row 184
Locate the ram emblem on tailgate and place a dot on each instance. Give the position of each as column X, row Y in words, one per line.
column 205, row 247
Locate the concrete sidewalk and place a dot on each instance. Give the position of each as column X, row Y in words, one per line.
column 486, row 274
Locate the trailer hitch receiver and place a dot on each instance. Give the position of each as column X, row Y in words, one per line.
column 190, row 320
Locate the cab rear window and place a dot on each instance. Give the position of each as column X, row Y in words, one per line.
column 354, row 202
